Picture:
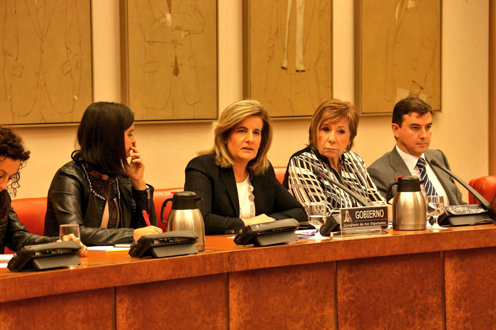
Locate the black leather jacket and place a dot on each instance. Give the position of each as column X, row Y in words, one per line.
column 14, row 235
column 70, row 201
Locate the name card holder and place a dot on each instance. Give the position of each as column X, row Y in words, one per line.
column 363, row 221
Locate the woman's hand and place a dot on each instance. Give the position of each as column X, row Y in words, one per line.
column 262, row 218
column 72, row 237
column 136, row 169
column 148, row 230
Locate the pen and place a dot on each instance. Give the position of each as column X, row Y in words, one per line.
column 147, row 219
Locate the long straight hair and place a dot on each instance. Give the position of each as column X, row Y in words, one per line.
column 101, row 138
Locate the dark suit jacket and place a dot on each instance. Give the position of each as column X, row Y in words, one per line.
column 385, row 170
column 220, row 204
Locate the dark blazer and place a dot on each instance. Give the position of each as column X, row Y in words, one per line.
column 385, row 170
column 220, row 204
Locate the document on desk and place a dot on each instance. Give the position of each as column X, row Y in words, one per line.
column 109, row 248
column 307, row 232
column 4, row 259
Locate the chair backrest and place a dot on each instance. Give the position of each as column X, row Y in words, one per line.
column 486, row 186
column 280, row 172
column 159, row 197
column 31, row 212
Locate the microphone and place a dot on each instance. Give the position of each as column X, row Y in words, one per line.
column 357, row 197
column 481, row 199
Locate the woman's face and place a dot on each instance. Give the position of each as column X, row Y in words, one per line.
column 129, row 140
column 333, row 138
column 8, row 168
column 244, row 140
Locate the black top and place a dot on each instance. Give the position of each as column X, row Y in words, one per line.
column 220, row 203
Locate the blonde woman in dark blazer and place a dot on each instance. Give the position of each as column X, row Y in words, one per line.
column 235, row 178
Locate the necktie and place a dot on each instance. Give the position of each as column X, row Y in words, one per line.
column 429, row 188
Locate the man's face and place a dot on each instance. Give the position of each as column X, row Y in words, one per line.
column 414, row 135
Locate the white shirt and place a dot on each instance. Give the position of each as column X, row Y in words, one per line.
column 411, row 164
column 246, row 206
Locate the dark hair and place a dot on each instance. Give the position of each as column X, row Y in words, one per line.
column 11, row 147
column 407, row 106
column 101, row 138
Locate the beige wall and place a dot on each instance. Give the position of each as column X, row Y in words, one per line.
column 461, row 130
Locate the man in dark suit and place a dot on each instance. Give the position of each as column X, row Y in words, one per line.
column 412, row 123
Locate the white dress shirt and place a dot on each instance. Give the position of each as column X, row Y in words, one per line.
column 246, row 205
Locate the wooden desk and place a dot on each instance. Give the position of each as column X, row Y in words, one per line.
column 404, row 280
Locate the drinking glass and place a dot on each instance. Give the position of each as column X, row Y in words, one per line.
column 435, row 207
column 69, row 229
column 317, row 215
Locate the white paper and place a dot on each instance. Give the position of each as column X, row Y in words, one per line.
column 6, row 257
column 306, row 232
column 107, row 248
column 100, row 248
column 117, row 249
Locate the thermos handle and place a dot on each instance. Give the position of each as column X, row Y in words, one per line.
column 164, row 205
column 389, row 190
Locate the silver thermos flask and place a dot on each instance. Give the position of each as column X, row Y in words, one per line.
column 409, row 207
column 185, row 215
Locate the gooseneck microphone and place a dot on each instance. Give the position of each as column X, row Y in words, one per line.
column 357, row 197
column 481, row 199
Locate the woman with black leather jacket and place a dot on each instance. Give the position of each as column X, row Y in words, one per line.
column 13, row 234
column 100, row 190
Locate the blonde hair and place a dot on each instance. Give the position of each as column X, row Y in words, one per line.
column 333, row 110
column 233, row 115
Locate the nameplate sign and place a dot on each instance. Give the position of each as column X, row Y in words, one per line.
column 464, row 209
column 364, row 217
